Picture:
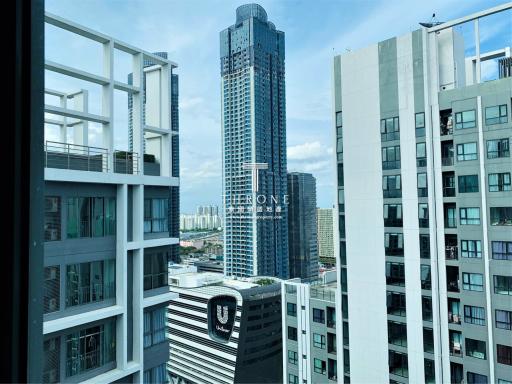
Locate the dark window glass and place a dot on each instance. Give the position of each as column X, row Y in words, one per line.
column 468, row 183
column 502, row 250
column 474, row 315
column 475, row 348
column 501, row 215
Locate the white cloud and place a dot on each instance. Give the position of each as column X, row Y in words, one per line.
column 308, row 150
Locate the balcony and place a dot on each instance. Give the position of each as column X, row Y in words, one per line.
column 447, row 161
column 452, row 279
column 455, row 349
column 446, row 122
column 451, row 252
column 76, row 157
column 126, row 162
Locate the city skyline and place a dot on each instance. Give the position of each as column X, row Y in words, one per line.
column 308, row 89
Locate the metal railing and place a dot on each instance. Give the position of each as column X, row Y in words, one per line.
column 448, row 191
column 74, row 156
column 126, row 162
column 447, row 161
column 451, row 252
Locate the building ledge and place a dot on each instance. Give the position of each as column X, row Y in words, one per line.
column 149, row 243
column 56, row 325
column 114, row 374
column 159, row 299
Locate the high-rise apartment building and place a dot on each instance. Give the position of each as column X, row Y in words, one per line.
column 108, row 222
column 254, row 145
column 224, row 331
column 302, row 226
column 325, row 236
column 309, row 330
column 425, row 206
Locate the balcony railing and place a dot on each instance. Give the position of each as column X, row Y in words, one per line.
column 447, row 161
column 446, row 129
column 452, row 286
column 450, row 222
column 126, row 162
column 77, row 157
column 453, row 318
column 448, row 191
column 455, row 349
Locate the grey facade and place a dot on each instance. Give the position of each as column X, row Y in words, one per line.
column 302, row 226
column 253, row 131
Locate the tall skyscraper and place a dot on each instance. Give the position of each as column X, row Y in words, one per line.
column 325, row 236
column 302, row 227
column 108, row 221
column 425, row 206
column 254, row 145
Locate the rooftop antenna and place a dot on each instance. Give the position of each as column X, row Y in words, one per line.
column 432, row 22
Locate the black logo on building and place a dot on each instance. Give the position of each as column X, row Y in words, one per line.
column 221, row 317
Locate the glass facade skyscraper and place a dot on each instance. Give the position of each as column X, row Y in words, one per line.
column 254, row 131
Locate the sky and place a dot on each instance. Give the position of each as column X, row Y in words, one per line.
column 189, row 31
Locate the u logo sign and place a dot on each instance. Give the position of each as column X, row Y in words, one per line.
column 222, row 314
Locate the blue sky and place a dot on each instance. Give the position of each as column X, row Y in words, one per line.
column 189, row 31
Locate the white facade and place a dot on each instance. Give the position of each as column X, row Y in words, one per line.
column 408, row 78
column 325, row 223
column 84, row 167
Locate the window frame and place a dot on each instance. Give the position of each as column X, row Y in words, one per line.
column 463, row 121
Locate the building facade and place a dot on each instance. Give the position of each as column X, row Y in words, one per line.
column 325, row 236
column 254, row 145
column 224, row 331
column 107, row 225
column 302, row 226
column 424, row 208
column 309, row 330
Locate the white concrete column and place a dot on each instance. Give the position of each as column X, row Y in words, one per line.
column 81, row 127
column 137, row 108
column 138, row 274
column 121, row 273
column 107, row 109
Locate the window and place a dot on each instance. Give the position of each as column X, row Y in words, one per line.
column 472, row 282
column 468, row 183
column 339, row 119
column 466, row 151
column 398, row 364
column 292, row 333
column 421, row 154
column 52, row 218
column 318, row 315
column 395, row 274
column 425, row 246
column 51, row 360
column 394, row 244
column 392, row 186
column 154, row 327
column 392, row 215
column 422, row 185
column 475, row 378
column 503, row 319
column 450, row 213
column 466, row 119
column 504, row 354
column 503, row 285
column 319, row 366
column 501, row 215
column 90, row 282
column 90, row 348
column 397, row 333
column 426, row 282
column 423, row 215
column 502, row 250
column 396, row 303
column 496, row 114
column 318, row 341
column 430, row 371
column 419, row 123
column 426, row 308
column 156, row 215
column 156, row 374
column 428, row 340
column 471, row 248
column 475, row 348
column 91, row 217
column 292, row 379
column 292, row 357
column 470, row 216
column 155, row 269
column 391, row 157
column 474, row 315
column 389, row 129
column 498, row 148
column 499, row 182
column 291, row 309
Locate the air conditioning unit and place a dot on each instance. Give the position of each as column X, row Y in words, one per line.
column 52, row 204
column 52, row 304
column 53, row 234
column 52, row 376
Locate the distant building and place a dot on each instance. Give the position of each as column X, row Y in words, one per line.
column 325, row 236
column 302, row 227
column 224, row 331
column 205, row 218
column 309, row 330
column 253, row 135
